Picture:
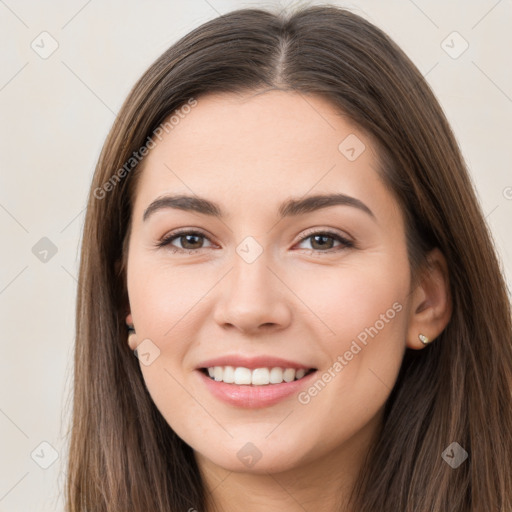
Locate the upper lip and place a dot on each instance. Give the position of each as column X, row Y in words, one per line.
column 252, row 362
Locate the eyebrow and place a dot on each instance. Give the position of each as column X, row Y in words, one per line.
column 289, row 208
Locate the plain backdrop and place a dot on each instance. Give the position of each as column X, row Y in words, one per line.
column 66, row 67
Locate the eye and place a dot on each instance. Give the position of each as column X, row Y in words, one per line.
column 192, row 241
column 322, row 241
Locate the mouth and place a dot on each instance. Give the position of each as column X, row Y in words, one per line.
column 265, row 376
column 254, row 381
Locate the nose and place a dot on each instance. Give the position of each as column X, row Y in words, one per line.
column 253, row 298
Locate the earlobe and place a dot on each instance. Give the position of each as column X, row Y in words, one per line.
column 132, row 337
column 431, row 306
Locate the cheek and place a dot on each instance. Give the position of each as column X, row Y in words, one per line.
column 164, row 302
column 162, row 296
column 355, row 300
column 362, row 308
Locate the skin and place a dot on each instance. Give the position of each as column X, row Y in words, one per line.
column 298, row 300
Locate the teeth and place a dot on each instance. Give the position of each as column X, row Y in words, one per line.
column 229, row 374
column 256, row 377
column 242, row 375
column 276, row 376
column 289, row 375
column 300, row 373
column 260, row 377
column 218, row 373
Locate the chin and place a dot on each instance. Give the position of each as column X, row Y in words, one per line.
column 266, row 464
column 261, row 456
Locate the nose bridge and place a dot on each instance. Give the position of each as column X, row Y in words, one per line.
column 252, row 281
column 251, row 275
column 252, row 296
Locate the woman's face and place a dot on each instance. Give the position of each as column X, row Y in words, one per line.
column 274, row 284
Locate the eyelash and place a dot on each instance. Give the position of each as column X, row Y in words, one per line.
column 166, row 241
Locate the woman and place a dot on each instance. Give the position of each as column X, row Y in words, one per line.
column 288, row 296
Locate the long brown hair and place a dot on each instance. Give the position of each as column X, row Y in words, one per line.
column 124, row 456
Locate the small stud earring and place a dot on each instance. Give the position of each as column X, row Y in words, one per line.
column 131, row 336
column 423, row 339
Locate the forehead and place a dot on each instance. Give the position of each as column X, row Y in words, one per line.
column 278, row 142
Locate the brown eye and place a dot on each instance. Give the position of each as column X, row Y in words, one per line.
column 324, row 242
column 189, row 241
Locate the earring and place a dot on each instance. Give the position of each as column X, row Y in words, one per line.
column 423, row 339
column 131, row 336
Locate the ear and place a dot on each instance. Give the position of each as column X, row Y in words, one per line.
column 431, row 305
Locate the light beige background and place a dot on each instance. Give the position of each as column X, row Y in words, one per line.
column 55, row 114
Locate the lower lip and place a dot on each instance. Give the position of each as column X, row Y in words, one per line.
column 254, row 397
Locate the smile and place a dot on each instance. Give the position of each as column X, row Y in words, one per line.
column 256, row 377
column 257, row 388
